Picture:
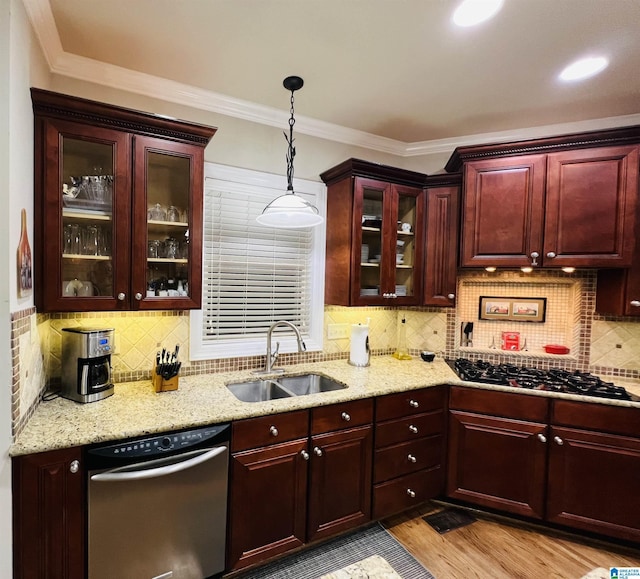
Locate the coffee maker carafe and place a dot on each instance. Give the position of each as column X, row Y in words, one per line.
column 86, row 364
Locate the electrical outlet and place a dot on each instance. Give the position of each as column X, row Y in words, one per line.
column 115, row 350
column 33, row 330
column 337, row 331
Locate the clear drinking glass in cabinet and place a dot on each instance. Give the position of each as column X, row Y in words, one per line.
column 405, row 246
column 371, row 247
column 86, row 191
column 168, row 188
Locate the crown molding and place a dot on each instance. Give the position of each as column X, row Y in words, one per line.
column 93, row 71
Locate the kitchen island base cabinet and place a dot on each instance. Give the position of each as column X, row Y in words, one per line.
column 49, row 515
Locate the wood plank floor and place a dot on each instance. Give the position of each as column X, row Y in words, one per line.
column 495, row 547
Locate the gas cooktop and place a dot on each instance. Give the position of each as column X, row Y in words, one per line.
column 552, row 380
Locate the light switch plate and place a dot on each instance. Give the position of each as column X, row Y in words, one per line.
column 337, row 331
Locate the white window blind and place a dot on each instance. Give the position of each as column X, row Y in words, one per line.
column 253, row 275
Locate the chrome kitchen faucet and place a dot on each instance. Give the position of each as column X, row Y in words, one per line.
column 272, row 357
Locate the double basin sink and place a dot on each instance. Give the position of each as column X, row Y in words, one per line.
column 283, row 387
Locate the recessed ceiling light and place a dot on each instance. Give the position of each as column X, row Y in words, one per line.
column 490, row 268
column 526, row 269
column 472, row 12
column 584, row 68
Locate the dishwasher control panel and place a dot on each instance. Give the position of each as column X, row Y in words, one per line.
column 161, row 444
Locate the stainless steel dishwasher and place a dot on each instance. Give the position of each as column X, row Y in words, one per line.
column 158, row 505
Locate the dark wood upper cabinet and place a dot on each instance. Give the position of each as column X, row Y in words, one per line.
column 503, row 211
column 442, row 230
column 567, row 201
column 375, row 235
column 118, row 207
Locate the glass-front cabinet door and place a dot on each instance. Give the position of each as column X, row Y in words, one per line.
column 388, row 243
column 86, row 216
column 166, row 177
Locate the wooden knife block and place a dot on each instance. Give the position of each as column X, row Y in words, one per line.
column 162, row 385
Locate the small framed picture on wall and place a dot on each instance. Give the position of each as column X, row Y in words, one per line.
column 512, row 309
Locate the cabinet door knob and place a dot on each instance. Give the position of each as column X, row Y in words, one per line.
column 274, row 431
column 74, row 467
column 542, row 437
column 411, row 493
column 413, row 403
column 635, row 303
column 138, row 296
column 121, row 296
column 551, row 254
column 451, row 296
column 558, row 440
column 345, row 417
column 412, row 458
column 304, row 454
column 413, row 429
column 317, row 451
column 394, row 296
column 534, row 256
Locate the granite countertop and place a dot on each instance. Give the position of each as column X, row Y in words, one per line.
column 135, row 409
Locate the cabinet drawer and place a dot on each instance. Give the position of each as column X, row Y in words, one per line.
column 410, row 428
column 266, row 430
column 602, row 417
column 407, row 457
column 410, row 402
column 406, row 492
column 494, row 403
column 340, row 416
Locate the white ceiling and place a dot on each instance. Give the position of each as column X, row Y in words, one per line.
column 393, row 75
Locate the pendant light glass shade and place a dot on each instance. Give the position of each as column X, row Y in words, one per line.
column 290, row 211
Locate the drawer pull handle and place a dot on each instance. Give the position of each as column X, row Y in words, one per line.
column 74, row 467
column 411, row 493
column 413, row 403
column 317, row 451
column 542, row 437
column 411, row 458
column 304, row 454
column 413, row 429
column 274, row 431
column 345, row 417
column 558, row 440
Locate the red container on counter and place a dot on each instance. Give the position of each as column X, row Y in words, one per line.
column 556, row 349
column 511, row 341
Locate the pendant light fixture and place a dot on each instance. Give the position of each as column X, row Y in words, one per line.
column 290, row 211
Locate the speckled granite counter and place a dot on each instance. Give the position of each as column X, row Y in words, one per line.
column 136, row 409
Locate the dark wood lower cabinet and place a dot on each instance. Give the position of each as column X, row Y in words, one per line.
column 49, row 515
column 497, row 462
column 268, row 502
column 593, row 482
column 339, row 481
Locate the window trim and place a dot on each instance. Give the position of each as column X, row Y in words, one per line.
column 234, row 178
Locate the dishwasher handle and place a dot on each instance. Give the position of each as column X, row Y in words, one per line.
column 129, row 473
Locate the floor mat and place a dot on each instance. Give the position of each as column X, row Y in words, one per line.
column 339, row 552
column 449, row 519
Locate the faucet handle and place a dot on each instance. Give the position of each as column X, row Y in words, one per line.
column 274, row 355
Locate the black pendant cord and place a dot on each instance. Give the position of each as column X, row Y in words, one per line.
column 291, row 151
column 292, row 83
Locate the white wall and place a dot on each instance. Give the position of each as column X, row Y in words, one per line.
column 5, row 318
column 21, row 63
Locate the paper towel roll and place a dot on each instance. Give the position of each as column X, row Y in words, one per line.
column 360, row 353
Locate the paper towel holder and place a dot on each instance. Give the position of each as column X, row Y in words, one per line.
column 360, row 353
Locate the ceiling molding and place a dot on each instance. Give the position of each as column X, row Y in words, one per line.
column 93, row 71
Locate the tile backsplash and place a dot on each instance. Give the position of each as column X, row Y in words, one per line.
column 598, row 344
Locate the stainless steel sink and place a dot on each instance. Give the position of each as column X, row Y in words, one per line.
column 283, row 387
column 258, row 391
column 309, row 384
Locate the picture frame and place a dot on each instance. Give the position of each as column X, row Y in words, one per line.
column 512, row 309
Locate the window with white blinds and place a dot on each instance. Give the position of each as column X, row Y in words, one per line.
column 253, row 276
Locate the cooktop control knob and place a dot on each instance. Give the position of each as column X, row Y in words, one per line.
column 165, row 442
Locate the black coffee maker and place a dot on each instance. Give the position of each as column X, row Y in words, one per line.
column 86, row 364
